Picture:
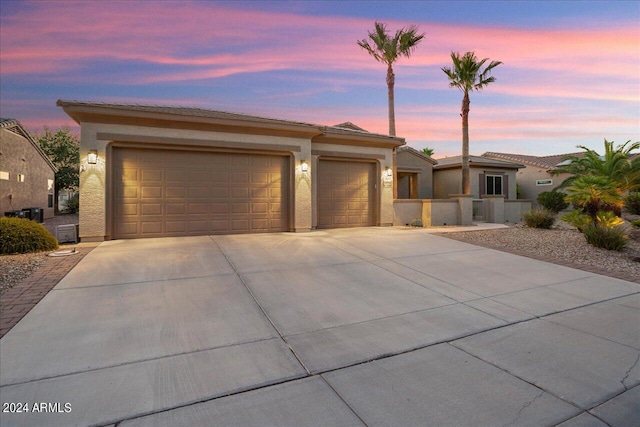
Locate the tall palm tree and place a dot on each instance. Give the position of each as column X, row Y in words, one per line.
column 387, row 49
column 427, row 151
column 467, row 75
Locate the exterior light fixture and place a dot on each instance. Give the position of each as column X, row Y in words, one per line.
column 304, row 166
column 388, row 171
column 92, row 157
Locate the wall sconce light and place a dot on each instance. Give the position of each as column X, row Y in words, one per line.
column 388, row 171
column 304, row 166
column 92, row 157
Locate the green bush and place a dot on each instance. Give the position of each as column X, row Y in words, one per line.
column 577, row 218
column 416, row 223
column 553, row 200
column 635, row 223
column 601, row 236
column 539, row 218
column 73, row 204
column 632, row 203
column 20, row 235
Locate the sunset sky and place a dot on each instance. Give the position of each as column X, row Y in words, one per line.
column 571, row 72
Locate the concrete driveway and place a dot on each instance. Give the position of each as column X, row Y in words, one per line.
column 372, row 326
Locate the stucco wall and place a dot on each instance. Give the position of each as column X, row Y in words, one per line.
column 449, row 181
column 437, row 212
column 527, row 178
column 406, row 161
column 513, row 210
column 406, row 211
column 19, row 157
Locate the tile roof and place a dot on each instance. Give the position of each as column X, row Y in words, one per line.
column 346, row 127
column 548, row 162
column 477, row 160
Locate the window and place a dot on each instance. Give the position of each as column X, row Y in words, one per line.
column 494, row 184
column 4, row 175
column 542, row 182
column 50, row 193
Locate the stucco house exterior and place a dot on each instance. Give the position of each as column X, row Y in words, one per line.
column 414, row 173
column 489, row 177
column 535, row 177
column 155, row 171
column 26, row 173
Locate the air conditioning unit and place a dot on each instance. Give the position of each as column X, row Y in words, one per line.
column 67, row 233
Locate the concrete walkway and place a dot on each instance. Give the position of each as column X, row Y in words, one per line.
column 375, row 326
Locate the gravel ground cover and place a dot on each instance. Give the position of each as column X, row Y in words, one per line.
column 560, row 244
column 15, row 268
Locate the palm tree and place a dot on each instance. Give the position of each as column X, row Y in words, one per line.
column 427, row 151
column 467, row 75
column 388, row 49
column 594, row 193
column 615, row 165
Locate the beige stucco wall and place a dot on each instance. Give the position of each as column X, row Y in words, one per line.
column 405, row 160
column 19, row 157
column 513, row 210
column 437, row 212
column 406, row 211
column 448, row 181
column 527, row 178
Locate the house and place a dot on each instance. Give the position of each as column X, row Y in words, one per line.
column 155, row 171
column 414, row 172
column 535, row 177
column 26, row 173
column 489, row 177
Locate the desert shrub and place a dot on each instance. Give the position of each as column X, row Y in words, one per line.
column 635, row 223
column 20, row 235
column 539, row 218
column 577, row 218
column 632, row 203
column 73, row 204
column 416, row 223
column 608, row 219
column 601, row 236
column 552, row 200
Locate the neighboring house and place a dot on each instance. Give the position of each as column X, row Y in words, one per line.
column 26, row 173
column 414, row 173
column 536, row 176
column 488, row 177
column 153, row 171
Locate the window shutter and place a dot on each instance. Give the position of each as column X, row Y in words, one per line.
column 482, row 181
column 505, row 186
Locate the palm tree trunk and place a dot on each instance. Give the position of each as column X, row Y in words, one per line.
column 391, row 80
column 392, row 124
column 466, row 178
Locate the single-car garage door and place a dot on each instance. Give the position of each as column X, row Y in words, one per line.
column 161, row 193
column 346, row 192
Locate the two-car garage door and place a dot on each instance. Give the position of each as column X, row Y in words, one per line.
column 161, row 193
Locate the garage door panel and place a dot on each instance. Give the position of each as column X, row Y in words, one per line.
column 161, row 192
column 346, row 193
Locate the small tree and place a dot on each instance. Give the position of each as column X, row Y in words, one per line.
column 593, row 194
column 63, row 149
